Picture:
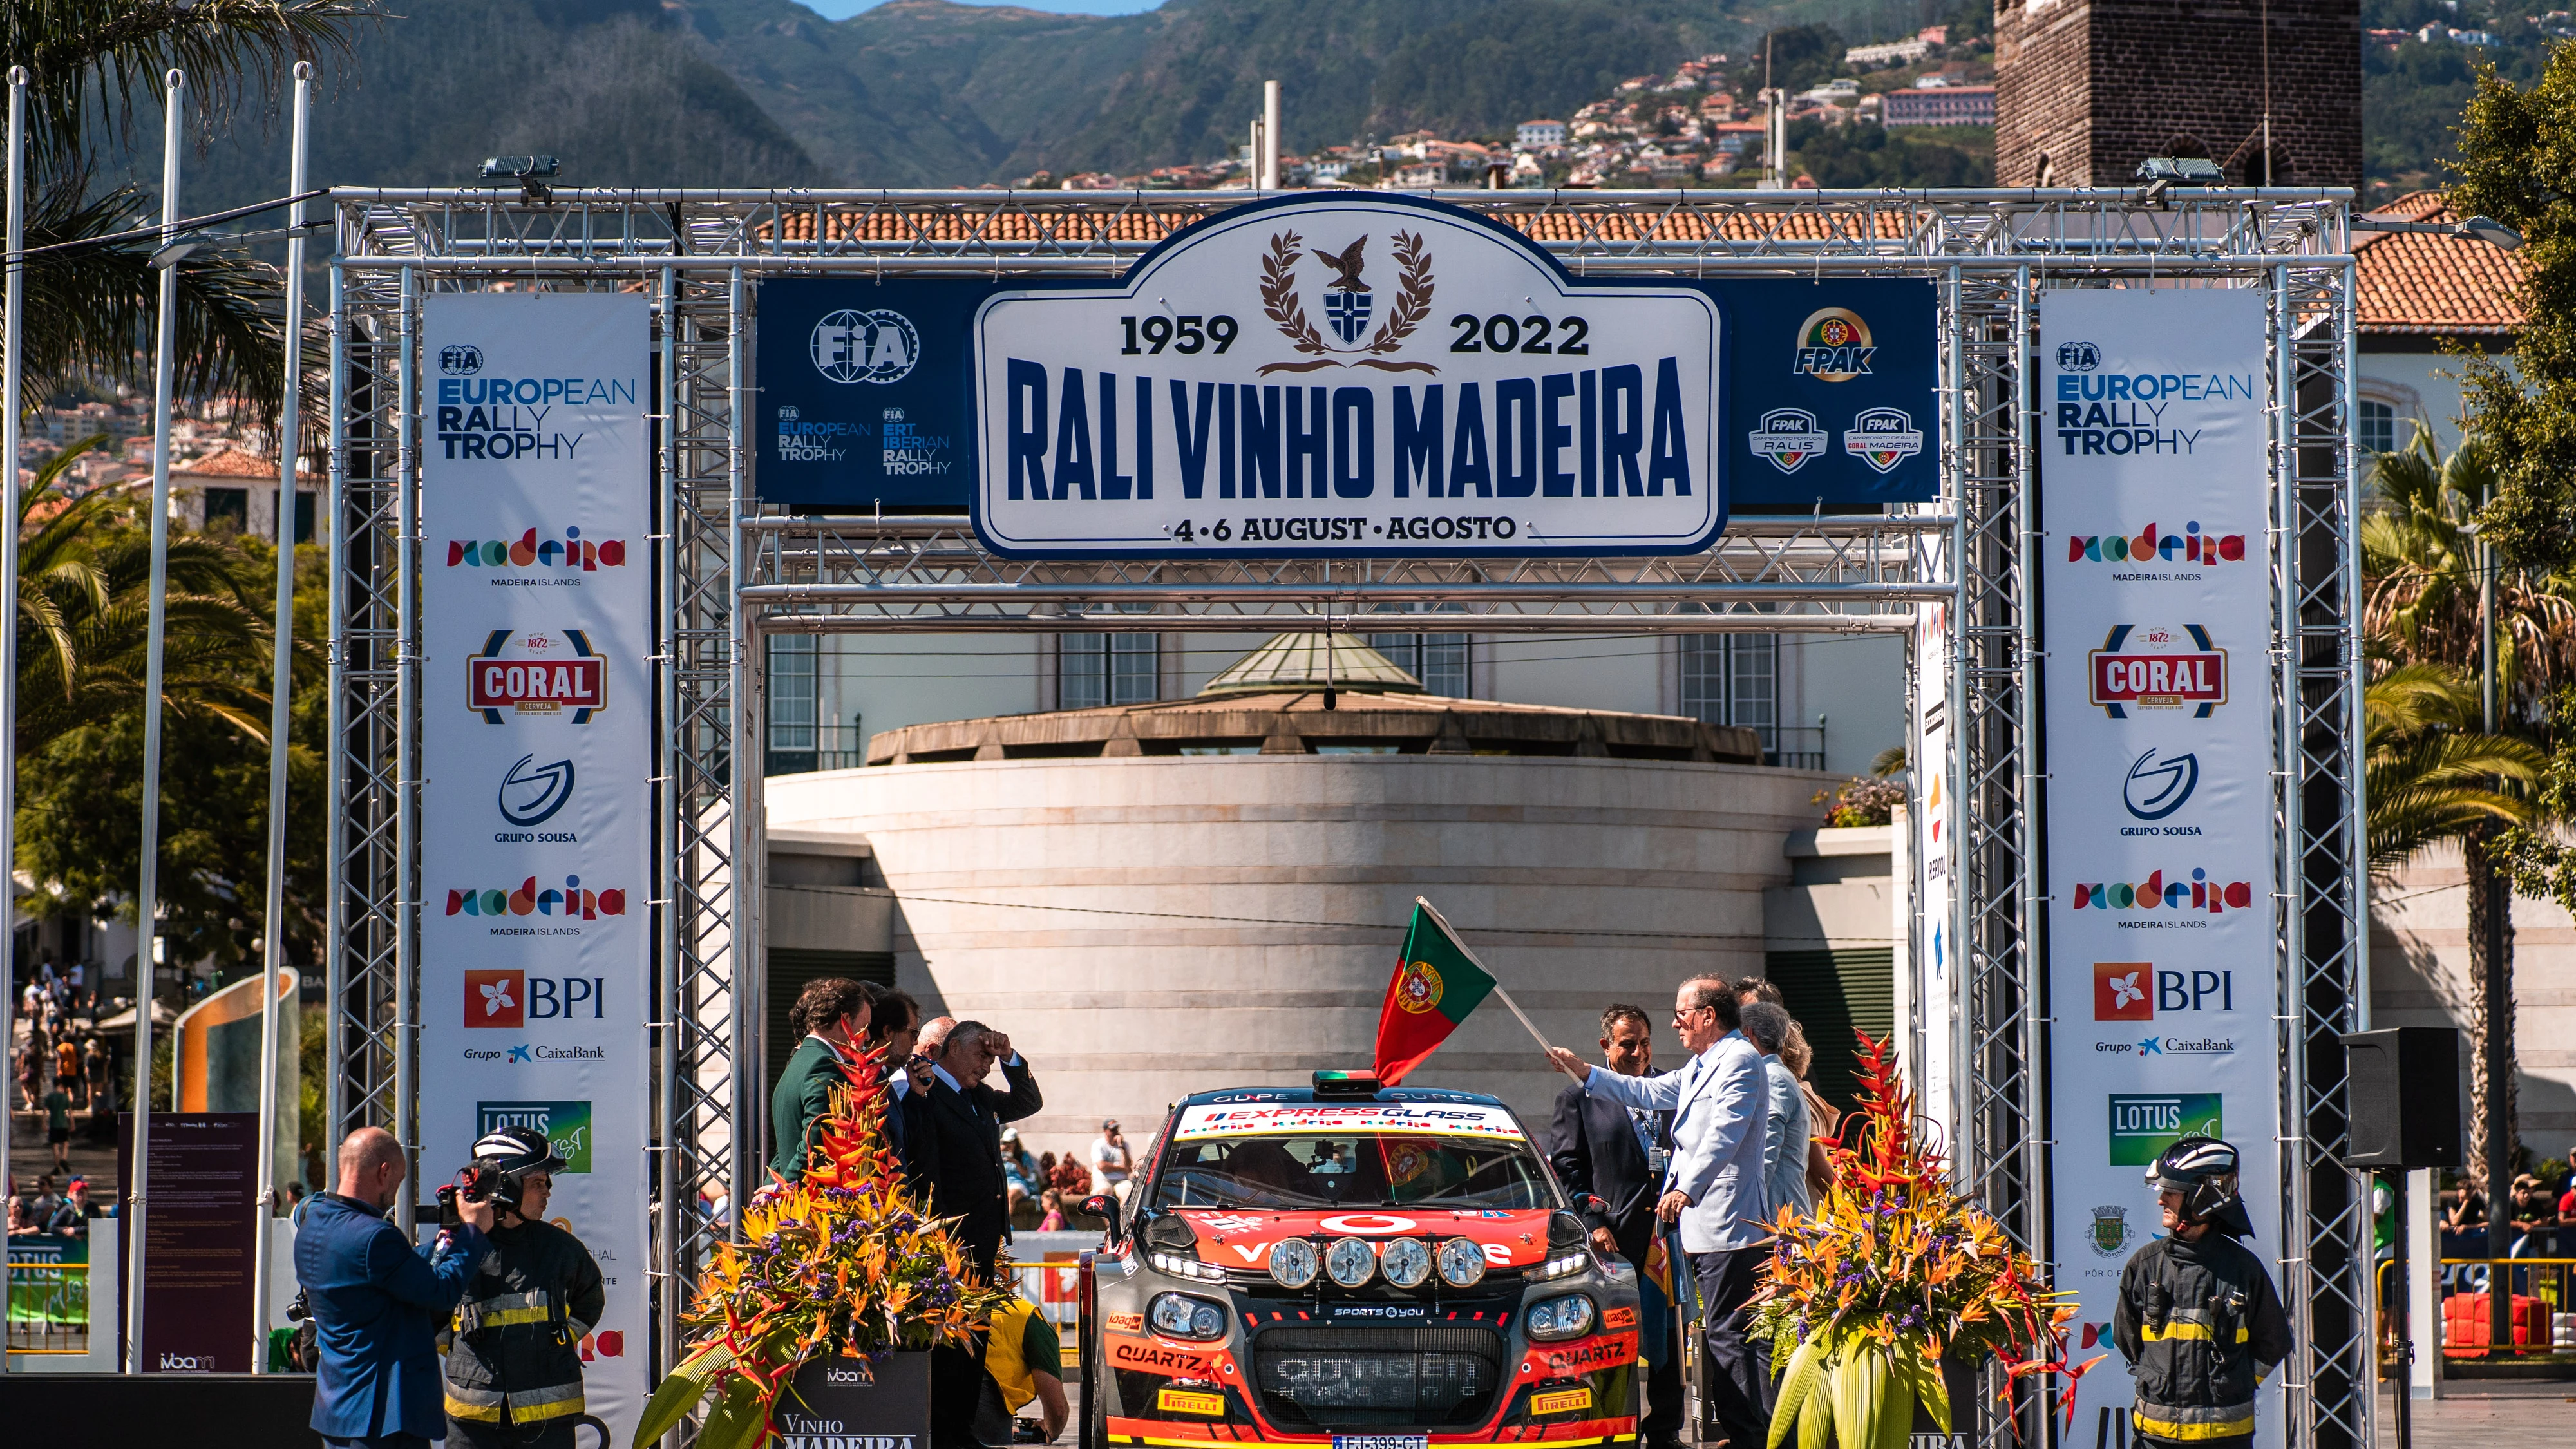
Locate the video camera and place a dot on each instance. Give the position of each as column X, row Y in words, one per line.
column 476, row 1183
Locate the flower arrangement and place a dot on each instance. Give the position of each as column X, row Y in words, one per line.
column 842, row 1263
column 1891, row 1273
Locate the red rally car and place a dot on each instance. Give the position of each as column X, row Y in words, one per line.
column 1364, row 1267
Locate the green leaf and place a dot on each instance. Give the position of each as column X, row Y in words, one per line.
column 1816, row 1425
column 1799, row 1379
column 678, row 1394
column 1859, row 1384
column 1934, row 1392
column 739, row 1421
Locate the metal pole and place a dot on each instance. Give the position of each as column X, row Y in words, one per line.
column 11, row 374
column 745, row 835
column 2290, row 1000
column 2034, row 899
column 147, row 895
column 677, row 1217
column 1270, row 135
column 335, row 830
column 406, row 1103
column 281, row 689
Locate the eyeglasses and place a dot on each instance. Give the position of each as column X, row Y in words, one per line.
column 1684, row 1013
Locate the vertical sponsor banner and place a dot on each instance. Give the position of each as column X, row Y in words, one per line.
column 1934, row 979
column 536, row 743
column 2161, row 924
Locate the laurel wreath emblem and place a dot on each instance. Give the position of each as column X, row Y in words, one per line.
column 1287, row 311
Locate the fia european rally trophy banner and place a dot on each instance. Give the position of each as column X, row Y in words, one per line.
column 1348, row 374
column 536, row 743
column 2161, row 925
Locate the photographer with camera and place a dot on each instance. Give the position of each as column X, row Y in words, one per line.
column 513, row 1349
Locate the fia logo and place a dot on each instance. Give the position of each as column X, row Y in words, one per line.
column 2078, row 357
column 460, row 359
column 854, row 346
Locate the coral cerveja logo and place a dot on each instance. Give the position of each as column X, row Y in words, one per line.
column 2158, row 668
column 543, row 676
column 1833, row 346
column 570, row 903
column 2199, row 893
column 2148, row 546
column 571, row 551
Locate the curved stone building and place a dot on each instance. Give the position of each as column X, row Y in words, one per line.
column 1163, row 898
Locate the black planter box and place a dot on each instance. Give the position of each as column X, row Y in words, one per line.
column 848, row 1403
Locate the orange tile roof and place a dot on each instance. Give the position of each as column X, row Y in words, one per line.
column 1090, row 227
column 2422, row 284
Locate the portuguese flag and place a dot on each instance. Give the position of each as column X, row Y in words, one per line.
column 1436, row 984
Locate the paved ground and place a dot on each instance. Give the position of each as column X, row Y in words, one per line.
column 2489, row 1414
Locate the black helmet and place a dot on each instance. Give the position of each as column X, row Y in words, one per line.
column 2203, row 1170
column 507, row 1156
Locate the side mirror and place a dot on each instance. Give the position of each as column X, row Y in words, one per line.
column 1103, row 1205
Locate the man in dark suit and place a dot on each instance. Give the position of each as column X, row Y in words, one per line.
column 1618, row 1154
column 954, row 1125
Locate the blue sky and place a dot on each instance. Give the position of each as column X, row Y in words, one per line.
column 844, row 9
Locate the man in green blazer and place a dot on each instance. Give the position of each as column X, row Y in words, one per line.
column 832, row 1015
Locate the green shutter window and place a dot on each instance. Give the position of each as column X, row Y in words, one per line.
column 1831, row 993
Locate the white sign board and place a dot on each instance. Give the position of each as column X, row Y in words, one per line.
column 1442, row 1119
column 2161, row 926
column 1347, row 374
column 536, row 738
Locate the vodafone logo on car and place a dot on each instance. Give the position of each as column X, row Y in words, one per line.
column 1365, row 1224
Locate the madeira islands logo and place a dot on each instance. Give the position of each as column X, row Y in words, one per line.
column 1418, row 989
column 1348, row 305
column 1833, row 346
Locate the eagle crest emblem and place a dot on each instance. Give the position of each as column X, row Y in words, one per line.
column 1349, row 303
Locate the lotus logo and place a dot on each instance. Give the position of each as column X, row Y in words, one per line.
column 2157, row 788
column 532, row 793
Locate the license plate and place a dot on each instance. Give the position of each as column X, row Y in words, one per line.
column 1381, row 1441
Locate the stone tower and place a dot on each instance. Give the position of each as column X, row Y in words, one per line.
column 2086, row 89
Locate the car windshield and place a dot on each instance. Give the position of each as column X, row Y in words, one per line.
column 1395, row 1155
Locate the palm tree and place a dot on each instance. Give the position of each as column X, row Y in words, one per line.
column 2420, row 608
column 95, row 71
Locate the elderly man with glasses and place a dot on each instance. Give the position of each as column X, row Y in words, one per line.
column 1713, row 1186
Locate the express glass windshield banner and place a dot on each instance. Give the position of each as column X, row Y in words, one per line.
column 536, row 567
column 2161, row 926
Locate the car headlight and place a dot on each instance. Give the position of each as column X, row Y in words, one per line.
column 1462, row 1263
column 1566, row 1317
column 1350, row 1261
column 1182, row 1316
column 1294, row 1262
column 1180, row 1266
column 1406, row 1262
column 1563, row 1265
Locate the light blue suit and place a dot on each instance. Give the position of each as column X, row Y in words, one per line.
column 1719, row 1103
column 1784, row 1149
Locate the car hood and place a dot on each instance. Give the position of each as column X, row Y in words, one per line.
column 1242, row 1238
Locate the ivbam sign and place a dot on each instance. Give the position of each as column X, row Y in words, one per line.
column 1348, row 374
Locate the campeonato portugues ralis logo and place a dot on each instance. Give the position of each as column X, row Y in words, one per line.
column 545, row 675
column 850, row 346
column 1789, row 437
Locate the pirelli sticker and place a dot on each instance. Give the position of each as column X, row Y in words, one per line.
column 1559, row 1401
column 1193, row 1401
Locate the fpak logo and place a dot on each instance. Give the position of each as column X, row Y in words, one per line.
column 564, row 1125
column 2190, row 546
column 2142, row 1127
column 2155, row 788
column 853, row 346
column 1788, row 437
column 1833, row 346
column 2200, row 893
column 515, row 998
column 2136, row 991
column 571, row 551
column 1883, row 438
column 570, row 903
column 2159, row 668
column 545, row 676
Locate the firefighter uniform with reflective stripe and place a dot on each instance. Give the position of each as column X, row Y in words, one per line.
column 513, row 1349
column 2200, row 1325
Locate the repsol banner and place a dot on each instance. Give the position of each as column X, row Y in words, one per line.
column 1390, row 384
column 536, row 572
column 2160, row 916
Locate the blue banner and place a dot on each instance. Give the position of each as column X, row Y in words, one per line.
column 867, row 391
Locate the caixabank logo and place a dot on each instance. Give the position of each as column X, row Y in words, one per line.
column 2155, row 667
column 568, row 550
column 545, row 674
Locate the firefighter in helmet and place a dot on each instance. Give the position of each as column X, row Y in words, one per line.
column 2198, row 1318
column 513, row 1349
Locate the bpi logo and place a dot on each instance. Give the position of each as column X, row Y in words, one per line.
column 2136, row 991
column 2173, row 670
column 1788, row 437
column 535, row 681
column 1883, row 438
column 460, row 359
column 2078, row 357
column 514, row 998
column 1833, row 346
column 854, row 346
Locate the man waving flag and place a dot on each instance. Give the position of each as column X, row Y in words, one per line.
column 1437, row 982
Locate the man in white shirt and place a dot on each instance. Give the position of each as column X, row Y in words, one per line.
column 1713, row 1186
column 1111, row 1162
